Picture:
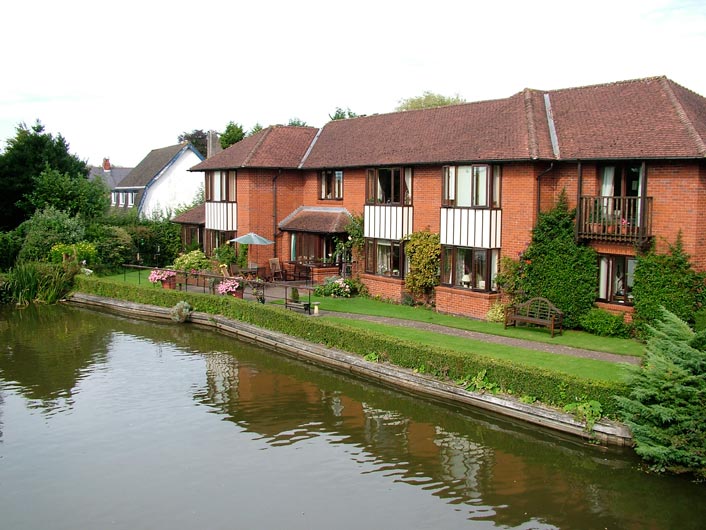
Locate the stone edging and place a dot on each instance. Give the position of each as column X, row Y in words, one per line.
column 604, row 431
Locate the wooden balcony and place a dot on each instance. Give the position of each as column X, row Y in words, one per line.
column 615, row 219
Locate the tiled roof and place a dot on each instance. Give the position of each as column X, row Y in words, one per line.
column 644, row 118
column 194, row 216
column 273, row 147
column 152, row 164
column 487, row 130
column 112, row 177
column 319, row 219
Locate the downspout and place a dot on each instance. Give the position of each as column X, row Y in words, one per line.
column 580, row 214
column 274, row 210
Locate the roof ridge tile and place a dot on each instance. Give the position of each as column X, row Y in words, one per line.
column 532, row 144
column 682, row 115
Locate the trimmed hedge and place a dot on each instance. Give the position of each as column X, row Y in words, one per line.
column 548, row 387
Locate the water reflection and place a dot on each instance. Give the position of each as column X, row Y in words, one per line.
column 57, row 349
column 509, row 473
column 493, row 470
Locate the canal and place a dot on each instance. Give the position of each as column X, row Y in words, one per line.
column 109, row 422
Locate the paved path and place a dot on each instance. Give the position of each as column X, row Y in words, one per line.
column 496, row 339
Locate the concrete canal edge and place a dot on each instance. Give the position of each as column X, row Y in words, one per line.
column 604, row 431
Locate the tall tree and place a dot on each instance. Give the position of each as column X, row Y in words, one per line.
column 666, row 409
column 255, row 129
column 198, row 138
column 30, row 152
column 428, row 100
column 233, row 134
column 70, row 193
column 297, row 122
column 342, row 114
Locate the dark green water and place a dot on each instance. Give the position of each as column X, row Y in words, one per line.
column 107, row 422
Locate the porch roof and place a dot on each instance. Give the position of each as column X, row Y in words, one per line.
column 194, row 216
column 317, row 219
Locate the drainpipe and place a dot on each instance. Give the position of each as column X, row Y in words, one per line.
column 551, row 166
column 274, row 209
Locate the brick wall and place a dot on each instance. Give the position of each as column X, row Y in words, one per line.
column 519, row 207
column 464, row 302
column 386, row 288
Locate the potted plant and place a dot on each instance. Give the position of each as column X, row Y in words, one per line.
column 166, row 277
column 231, row 287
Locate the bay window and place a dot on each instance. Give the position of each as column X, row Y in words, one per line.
column 474, row 186
column 469, row 268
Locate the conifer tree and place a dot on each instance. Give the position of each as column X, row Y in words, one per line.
column 666, row 408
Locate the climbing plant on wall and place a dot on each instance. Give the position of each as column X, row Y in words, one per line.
column 555, row 266
column 423, row 251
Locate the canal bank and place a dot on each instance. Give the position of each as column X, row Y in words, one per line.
column 604, row 431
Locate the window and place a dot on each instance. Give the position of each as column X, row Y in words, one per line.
column 615, row 279
column 121, row 199
column 114, row 198
column 476, row 186
column 389, row 186
column 385, row 258
column 331, row 184
column 130, row 199
column 469, row 268
column 221, row 186
column 310, row 247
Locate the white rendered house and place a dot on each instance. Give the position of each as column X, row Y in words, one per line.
column 161, row 182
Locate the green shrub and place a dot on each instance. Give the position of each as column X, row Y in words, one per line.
column 113, row 244
column 666, row 410
column 83, row 251
column 10, row 245
column 336, row 287
column 554, row 266
column 700, row 320
column 195, row 260
column 666, row 280
column 549, row 387
column 225, row 254
column 604, row 324
column 423, row 252
column 44, row 229
column 496, row 313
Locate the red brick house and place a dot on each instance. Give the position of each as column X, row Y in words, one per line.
column 631, row 156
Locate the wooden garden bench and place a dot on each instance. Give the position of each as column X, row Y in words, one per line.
column 539, row 311
column 304, row 306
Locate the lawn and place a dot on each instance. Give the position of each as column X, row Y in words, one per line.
column 576, row 366
column 370, row 306
column 576, row 339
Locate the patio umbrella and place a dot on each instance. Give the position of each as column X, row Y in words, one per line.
column 251, row 239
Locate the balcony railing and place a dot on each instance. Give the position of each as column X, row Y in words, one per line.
column 615, row 219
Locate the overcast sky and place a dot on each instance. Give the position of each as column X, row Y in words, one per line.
column 121, row 78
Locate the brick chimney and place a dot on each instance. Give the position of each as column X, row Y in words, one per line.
column 106, row 164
